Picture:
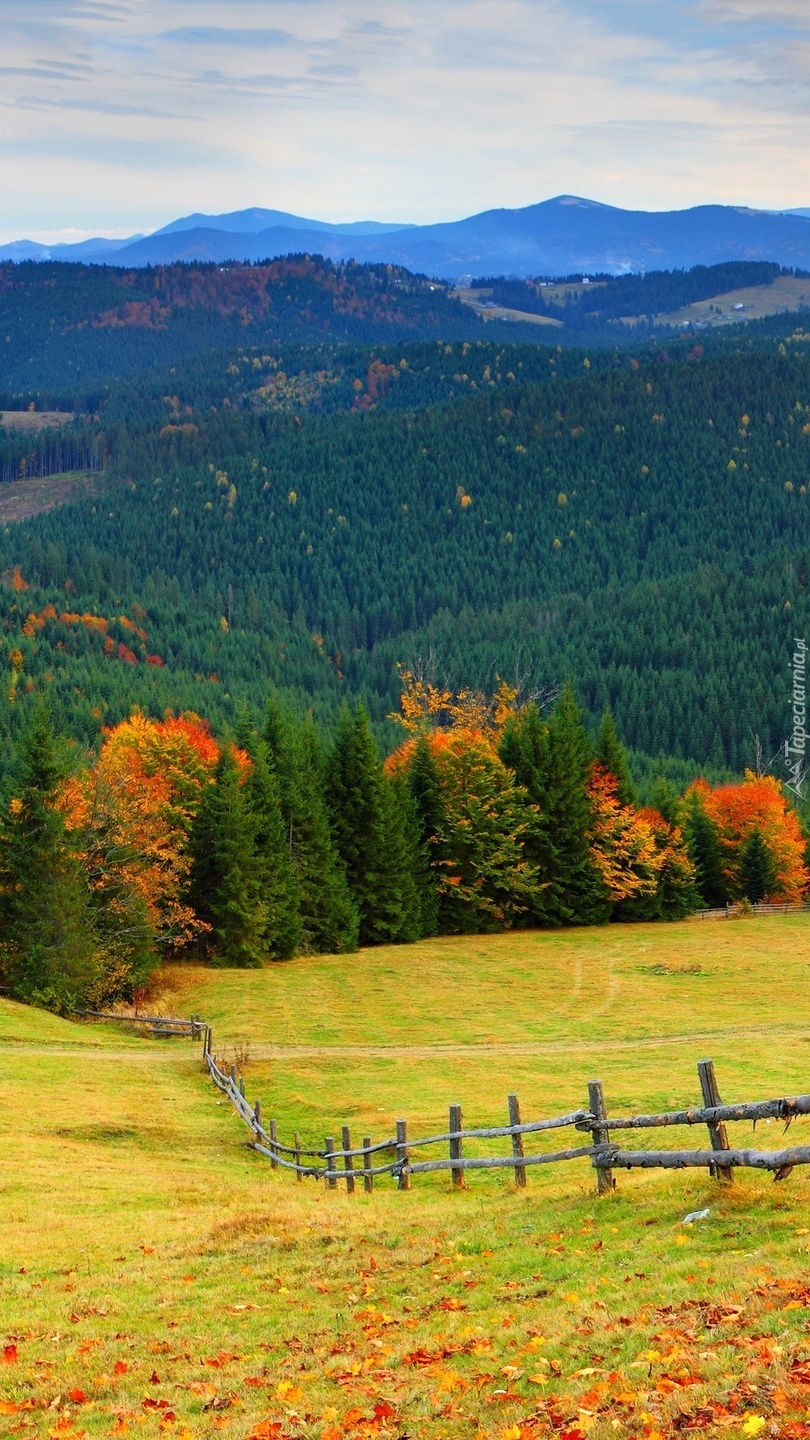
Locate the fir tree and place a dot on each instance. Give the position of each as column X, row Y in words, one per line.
column 426, row 816
column 369, row 834
column 757, row 877
column 664, row 798
column 226, row 876
column 611, row 753
column 329, row 920
column 706, row 854
column 278, row 884
column 525, row 750
column 581, row 896
column 46, row 940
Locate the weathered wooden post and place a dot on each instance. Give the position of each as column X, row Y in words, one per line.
column 257, row 1116
column 297, row 1143
column 273, row 1144
column 368, row 1178
column 605, row 1183
column 348, row 1162
column 402, row 1154
column 330, row 1162
column 455, row 1126
column 517, row 1141
column 717, row 1129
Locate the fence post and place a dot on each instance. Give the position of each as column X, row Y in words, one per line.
column 257, row 1115
column 517, row 1141
column 297, row 1143
column 233, row 1074
column 273, row 1139
column 717, row 1130
column 330, row 1162
column 368, row 1178
column 605, row 1183
column 456, row 1147
column 242, row 1086
column 348, row 1163
column 402, row 1154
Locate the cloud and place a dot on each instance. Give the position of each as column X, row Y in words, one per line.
column 218, row 35
column 426, row 110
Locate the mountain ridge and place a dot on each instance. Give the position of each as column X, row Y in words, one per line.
column 555, row 237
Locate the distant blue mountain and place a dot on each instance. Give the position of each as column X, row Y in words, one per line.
column 557, row 237
column 255, row 221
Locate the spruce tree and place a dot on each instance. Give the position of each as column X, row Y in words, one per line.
column 664, row 798
column 705, row 852
column 369, row 834
column 226, row 876
column 47, row 950
column 278, row 884
column 425, row 818
column 611, row 753
column 581, row 896
column 525, row 750
column 329, row 920
column 758, row 875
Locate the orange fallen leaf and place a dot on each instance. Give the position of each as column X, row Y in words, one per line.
column 10, row 1355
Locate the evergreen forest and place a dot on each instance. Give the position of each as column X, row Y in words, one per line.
column 330, row 502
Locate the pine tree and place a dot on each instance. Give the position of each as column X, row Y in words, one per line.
column 369, row 834
column 328, row 916
column 705, row 851
column 226, row 875
column 581, row 895
column 611, row 753
column 757, row 878
column 46, row 939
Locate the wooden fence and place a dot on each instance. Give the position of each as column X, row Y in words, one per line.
column 728, row 912
column 162, row 1026
column 394, row 1156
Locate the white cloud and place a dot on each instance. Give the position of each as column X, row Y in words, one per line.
column 121, row 116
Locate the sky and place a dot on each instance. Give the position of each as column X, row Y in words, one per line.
column 117, row 116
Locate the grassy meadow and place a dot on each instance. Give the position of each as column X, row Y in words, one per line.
column 157, row 1276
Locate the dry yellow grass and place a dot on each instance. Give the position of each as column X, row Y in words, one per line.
column 137, row 1230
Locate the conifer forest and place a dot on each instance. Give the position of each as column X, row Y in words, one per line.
column 376, row 621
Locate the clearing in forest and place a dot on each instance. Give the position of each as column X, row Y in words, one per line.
column 158, row 1277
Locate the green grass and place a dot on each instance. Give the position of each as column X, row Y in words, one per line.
column 137, row 1229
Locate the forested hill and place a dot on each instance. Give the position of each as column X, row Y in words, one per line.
column 68, row 327
column 642, row 527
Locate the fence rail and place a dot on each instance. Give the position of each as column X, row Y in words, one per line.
column 162, row 1026
column 605, row 1155
column 728, row 912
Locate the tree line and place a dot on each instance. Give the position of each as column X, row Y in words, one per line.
column 267, row 843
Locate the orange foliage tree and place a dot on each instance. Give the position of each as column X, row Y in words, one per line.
column 758, row 805
column 136, row 807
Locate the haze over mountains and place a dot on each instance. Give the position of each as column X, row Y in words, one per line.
column 556, row 237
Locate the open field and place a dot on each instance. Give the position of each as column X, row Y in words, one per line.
column 156, row 1276
column 477, row 301
column 30, row 422
column 20, row 499
column 788, row 292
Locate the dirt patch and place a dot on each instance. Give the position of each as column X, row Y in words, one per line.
column 20, row 499
column 32, row 421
